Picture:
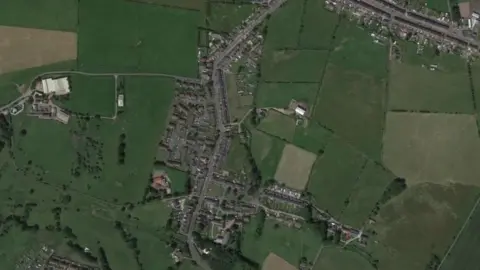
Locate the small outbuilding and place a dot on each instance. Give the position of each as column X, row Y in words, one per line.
column 300, row 111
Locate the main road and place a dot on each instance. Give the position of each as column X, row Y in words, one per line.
column 417, row 21
column 219, row 97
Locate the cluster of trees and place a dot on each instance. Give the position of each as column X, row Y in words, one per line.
column 395, row 188
column 103, row 259
column 90, row 159
column 131, row 242
column 121, row 149
column 260, row 220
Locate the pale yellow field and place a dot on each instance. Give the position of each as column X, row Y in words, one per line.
column 22, row 48
column 274, row 262
column 294, row 167
column 435, row 148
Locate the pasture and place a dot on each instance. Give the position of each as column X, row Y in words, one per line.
column 23, row 48
column 154, row 39
column 291, row 65
column 278, row 125
column 266, row 151
column 465, row 252
column 91, row 95
column 237, row 156
column 333, row 175
column 283, row 27
column 414, row 87
column 279, row 95
column 294, row 167
column 352, row 97
column 368, row 190
column 9, row 81
column 58, row 15
column 224, row 17
column 289, row 243
column 436, row 148
column 337, row 258
column 179, row 180
column 84, row 154
column 310, row 136
column 274, row 262
column 352, row 105
column 319, row 26
column 181, row 4
column 419, row 223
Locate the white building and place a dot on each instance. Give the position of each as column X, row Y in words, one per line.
column 120, row 100
column 59, row 86
column 300, row 111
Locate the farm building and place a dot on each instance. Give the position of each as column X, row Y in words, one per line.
column 59, row 86
column 300, row 110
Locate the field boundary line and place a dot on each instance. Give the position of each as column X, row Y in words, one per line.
column 459, row 233
column 325, row 66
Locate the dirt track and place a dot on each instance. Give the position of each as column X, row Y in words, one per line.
column 22, row 48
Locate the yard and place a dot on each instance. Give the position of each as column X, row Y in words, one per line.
column 154, row 39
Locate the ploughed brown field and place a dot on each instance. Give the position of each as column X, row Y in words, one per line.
column 22, row 48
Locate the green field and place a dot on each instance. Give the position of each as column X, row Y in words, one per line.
column 287, row 242
column 279, row 95
column 336, row 258
column 311, row 136
column 143, row 123
column 154, row 39
column 304, row 66
column 266, row 151
column 92, row 95
column 8, row 81
column 419, row 223
column 224, row 17
column 365, row 194
column 237, row 156
column 335, row 172
column 318, row 26
column 45, row 14
column 352, row 97
column 283, row 27
column 464, row 253
column 278, row 125
column 179, row 180
column 414, row 87
column 183, row 4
